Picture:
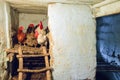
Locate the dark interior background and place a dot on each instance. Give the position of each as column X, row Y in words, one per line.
column 108, row 47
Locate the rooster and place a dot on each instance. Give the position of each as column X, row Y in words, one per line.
column 39, row 28
column 41, row 39
column 47, row 30
column 21, row 35
column 40, row 35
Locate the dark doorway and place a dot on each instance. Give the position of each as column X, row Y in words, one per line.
column 108, row 47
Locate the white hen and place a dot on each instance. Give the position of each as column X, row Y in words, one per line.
column 41, row 39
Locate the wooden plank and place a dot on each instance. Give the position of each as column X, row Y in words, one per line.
column 34, row 71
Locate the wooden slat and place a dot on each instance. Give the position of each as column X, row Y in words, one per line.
column 40, row 70
column 40, row 55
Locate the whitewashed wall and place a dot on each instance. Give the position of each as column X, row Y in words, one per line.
column 3, row 39
column 26, row 19
column 74, row 43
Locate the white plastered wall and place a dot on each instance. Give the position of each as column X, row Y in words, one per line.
column 4, row 23
column 73, row 45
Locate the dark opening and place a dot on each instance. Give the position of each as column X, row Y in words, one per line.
column 108, row 47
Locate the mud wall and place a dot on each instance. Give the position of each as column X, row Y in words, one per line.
column 73, row 42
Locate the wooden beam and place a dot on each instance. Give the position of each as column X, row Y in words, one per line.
column 103, row 3
column 46, row 2
column 109, row 9
column 32, row 11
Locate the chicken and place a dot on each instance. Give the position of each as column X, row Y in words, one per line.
column 21, row 35
column 40, row 35
column 40, row 29
column 30, row 39
column 41, row 38
column 30, row 28
column 35, row 28
column 47, row 30
column 41, row 25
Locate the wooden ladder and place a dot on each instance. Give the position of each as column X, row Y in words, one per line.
column 21, row 70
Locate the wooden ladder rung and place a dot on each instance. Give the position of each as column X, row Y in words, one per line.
column 40, row 70
column 40, row 55
column 23, row 51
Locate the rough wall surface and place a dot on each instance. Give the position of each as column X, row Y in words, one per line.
column 2, row 39
column 74, row 43
column 14, row 25
column 26, row 19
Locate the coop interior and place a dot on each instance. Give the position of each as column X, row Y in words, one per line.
column 84, row 39
column 32, row 20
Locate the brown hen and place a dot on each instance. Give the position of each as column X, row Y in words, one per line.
column 21, row 35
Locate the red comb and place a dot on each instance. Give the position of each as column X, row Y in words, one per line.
column 31, row 25
column 41, row 25
column 21, row 28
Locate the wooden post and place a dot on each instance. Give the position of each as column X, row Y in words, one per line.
column 20, row 63
column 48, row 73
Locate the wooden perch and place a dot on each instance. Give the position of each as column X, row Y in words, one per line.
column 40, row 55
column 40, row 70
column 24, row 51
column 11, row 51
